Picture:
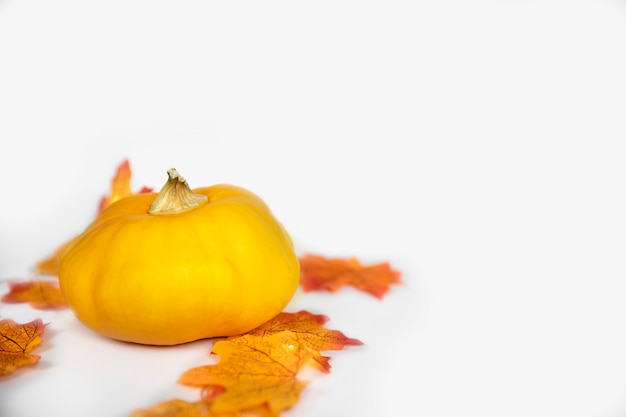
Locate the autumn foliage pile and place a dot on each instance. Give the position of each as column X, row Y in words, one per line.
column 257, row 372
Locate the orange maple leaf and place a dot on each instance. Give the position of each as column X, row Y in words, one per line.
column 181, row 408
column 319, row 273
column 251, row 372
column 16, row 343
column 259, row 369
column 120, row 188
column 50, row 265
column 306, row 331
column 42, row 295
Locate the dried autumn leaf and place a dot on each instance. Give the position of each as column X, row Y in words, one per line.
column 320, row 273
column 260, row 368
column 250, row 373
column 181, row 408
column 42, row 295
column 175, row 408
column 16, row 343
column 50, row 265
column 120, row 188
column 307, row 331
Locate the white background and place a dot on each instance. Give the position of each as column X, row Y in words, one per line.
column 476, row 145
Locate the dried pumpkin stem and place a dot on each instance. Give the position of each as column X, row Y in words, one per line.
column 176, row 196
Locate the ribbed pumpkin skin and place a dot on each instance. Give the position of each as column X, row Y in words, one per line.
column 216, row 270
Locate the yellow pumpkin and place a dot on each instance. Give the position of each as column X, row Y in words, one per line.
column 180, row 266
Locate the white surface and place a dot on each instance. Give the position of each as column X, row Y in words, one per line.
column 477, row 145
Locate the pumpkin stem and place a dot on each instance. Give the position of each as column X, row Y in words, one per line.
column 176, row 196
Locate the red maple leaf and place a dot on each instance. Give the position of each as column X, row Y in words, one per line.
column 320, row 273
column 42, row 295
